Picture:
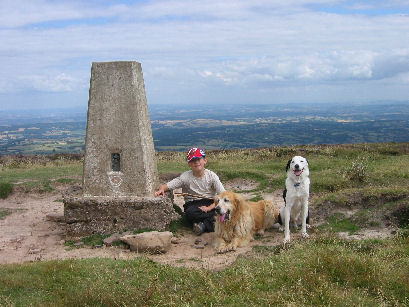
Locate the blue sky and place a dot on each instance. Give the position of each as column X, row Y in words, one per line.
column 207, row 52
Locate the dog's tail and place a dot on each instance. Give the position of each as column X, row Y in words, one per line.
column 271, row 214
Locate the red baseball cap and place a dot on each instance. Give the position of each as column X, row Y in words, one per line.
column 195, row 153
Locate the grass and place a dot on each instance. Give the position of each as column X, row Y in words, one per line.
column 369, row 196
column 94, row 240
column 338, row 223
column 320, row 272
column 38, row 176
column 372, row 179
column 65, row 180
column 6, row 188
column 333, row 168
column 4, row 212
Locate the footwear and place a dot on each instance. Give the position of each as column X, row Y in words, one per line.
column 199, row 228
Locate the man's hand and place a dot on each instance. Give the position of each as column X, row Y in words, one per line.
column 207, row 208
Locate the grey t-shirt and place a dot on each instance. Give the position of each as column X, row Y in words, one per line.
column 208, row 186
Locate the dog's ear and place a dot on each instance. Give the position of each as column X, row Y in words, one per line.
column 308, row 162
column 238, row 202
column 288, row 165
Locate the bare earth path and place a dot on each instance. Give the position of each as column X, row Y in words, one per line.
column 27, row 235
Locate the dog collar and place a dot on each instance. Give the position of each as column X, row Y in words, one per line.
column 297, row 184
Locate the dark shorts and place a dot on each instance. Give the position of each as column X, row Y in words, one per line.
column 196, row 215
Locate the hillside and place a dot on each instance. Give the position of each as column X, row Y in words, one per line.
column 358, row 192
column 353, row 187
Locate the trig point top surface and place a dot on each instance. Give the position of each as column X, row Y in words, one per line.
column 119, row 151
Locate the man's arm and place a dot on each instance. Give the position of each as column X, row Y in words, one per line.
column 207, row 208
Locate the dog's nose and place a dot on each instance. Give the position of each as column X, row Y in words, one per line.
column 296, row 166
column 217, row 209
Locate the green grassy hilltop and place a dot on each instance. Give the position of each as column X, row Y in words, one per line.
column 369, row 180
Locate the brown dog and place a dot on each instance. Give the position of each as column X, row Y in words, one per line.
column 237, row 220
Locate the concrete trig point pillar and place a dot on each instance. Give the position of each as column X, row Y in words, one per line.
column 119, row 151
column 120, row 172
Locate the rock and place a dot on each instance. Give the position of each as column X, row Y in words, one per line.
column 113, row 238
column 197, row 241
column 175, row 240
column 153, row 242
column 34, row 251
column 85, row 216
column 55, row 217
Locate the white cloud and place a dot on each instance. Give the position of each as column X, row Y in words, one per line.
column 57, row 83
column 316, row 68
column 190, row 45
column 19, row 13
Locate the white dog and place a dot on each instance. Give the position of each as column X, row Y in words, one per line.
column 296, row 194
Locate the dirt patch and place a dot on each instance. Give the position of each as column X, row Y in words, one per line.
column 239, row 184
column 26, row 234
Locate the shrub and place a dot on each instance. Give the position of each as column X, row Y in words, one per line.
column 357, row 171
column 284, row 151
column 5, row 189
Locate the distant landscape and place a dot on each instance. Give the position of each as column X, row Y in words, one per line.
column 216, row 126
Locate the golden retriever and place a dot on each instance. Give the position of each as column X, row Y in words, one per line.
column 237, row 220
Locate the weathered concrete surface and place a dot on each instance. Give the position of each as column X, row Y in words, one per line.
column 120, row 172
column 153, row 242
column 85, row 216
column 118, row 123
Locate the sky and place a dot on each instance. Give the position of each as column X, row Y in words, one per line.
column 207, row 52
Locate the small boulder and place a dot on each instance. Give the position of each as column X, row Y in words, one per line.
column 34, row 251
column 153, row 242
column 55, row 217
column 175, row 240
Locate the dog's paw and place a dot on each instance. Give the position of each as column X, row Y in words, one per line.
column 286, row 241
column 305, row 235
column 221, row 249
column 231, row 248
column 224, row 249
column 281, row 228
column 259, row 233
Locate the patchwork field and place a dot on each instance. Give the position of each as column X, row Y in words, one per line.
column 217, row 127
